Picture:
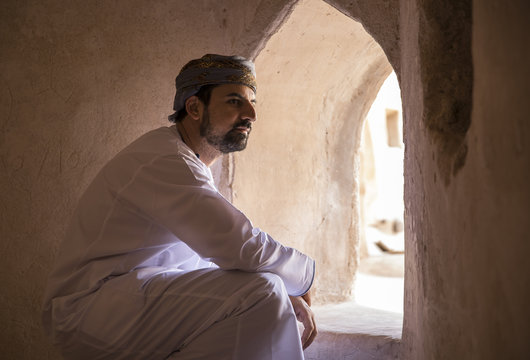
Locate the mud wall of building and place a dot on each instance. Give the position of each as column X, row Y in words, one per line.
column 79, row 80
column 298, row 178
column 464, row 79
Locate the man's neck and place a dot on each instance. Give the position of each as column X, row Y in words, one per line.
column 198, row 144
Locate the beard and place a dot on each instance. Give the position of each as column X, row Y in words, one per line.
column 233, row 140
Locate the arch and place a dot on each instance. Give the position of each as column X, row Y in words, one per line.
column 318, row 76
column 82, row 86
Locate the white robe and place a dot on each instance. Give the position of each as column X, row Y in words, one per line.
column 149, row 219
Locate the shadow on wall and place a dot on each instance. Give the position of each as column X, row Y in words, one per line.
column 318, row 76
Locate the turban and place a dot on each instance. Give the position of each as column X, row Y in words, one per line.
column 212, row 69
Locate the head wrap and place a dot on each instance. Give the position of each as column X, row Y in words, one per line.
column 212, row 69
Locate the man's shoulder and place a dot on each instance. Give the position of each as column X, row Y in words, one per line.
column 158, row 140
column 162, row 151
column 156, row 143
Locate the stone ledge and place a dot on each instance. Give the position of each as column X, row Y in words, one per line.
column 349, row 331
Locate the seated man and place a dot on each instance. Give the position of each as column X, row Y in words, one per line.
column 156, row 263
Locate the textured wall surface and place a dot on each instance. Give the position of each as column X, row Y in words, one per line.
column 298, row 178
column 467, row 270
column 79, row 80
column 381, row 19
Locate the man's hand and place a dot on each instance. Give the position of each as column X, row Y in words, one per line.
column 305, row 315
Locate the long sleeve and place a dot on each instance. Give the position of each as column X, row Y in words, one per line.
column 172, row 194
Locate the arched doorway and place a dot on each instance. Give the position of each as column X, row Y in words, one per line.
column 318, row 76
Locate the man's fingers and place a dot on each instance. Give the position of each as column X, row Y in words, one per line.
column 310, row 339
column 305, row 315
column 310, row 329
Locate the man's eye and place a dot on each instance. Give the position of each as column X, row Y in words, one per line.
column 234, row 101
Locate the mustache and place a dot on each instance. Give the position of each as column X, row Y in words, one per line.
column 243, row 123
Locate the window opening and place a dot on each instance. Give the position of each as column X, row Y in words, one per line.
column 379, row 281
column 392, row 128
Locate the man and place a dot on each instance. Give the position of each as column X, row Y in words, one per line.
column 156, row 262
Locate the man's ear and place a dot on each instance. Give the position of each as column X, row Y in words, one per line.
column 193, row 107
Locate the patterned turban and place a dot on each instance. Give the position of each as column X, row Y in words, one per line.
column 212, row 69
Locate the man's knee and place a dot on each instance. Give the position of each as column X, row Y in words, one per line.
column 268, row 290
column 269, row 283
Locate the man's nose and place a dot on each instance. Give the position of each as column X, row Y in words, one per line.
column 249, row 113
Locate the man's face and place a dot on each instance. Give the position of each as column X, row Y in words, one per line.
column 227, row 120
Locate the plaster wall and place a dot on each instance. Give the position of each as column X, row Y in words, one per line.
column 79, row 80
column 463, row 70
column 466, row 179
column 298, row 178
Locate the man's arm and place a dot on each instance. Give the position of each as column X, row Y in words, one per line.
column 166, row 191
